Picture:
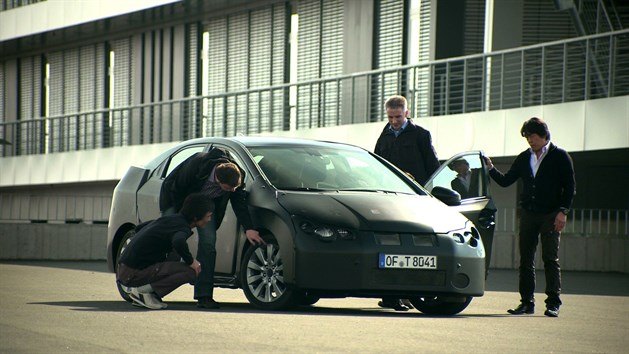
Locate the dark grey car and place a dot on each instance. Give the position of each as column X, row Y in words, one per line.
column 339, row 221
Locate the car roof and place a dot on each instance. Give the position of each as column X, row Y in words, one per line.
column 246, row 142
column 264, row 141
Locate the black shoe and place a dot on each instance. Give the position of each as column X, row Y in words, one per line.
column 207, row 303
column 407, row 303
column 395, row 304
column 524, row 308
column 552, row 311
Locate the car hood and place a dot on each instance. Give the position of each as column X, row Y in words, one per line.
column 374, row 211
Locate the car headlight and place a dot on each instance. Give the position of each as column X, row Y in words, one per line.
column 325, row 232
column 469, row 234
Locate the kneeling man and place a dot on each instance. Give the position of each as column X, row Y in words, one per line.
column 143, row 268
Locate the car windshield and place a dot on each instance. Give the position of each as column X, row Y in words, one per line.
column 327, row 169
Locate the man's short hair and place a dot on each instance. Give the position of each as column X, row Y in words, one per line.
column 535, row 126
column 195, row 206
column 454, row 163
column 228, row 173
column 396, row 101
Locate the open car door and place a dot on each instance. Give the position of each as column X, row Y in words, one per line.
column 468, row 176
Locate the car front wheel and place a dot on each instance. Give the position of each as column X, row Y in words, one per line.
column 123, row 246
column 441, row 305
column 262, row 278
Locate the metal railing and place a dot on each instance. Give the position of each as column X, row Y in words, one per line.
column 582, row 222
column 12, row 4
column 583, row 68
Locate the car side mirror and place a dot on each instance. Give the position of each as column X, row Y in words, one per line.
column 447, row 196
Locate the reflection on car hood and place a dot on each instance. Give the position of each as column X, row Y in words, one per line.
column 374, row 211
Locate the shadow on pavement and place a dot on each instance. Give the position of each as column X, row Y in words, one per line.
column 244, row 308
column 583, row 283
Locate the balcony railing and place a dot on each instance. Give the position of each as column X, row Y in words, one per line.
column 578, row 69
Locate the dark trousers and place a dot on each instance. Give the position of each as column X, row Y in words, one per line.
column 534, row 227
column 206, row 255
column 164, row 277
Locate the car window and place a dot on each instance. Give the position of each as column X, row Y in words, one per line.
column 463, row 174
column 308, row 168
column 181, row 155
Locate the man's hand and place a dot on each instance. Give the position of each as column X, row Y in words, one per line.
column 254, row 237
column 560, row 221
column 488, row 162
column 196, row 266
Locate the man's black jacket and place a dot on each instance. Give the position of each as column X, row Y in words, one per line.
column 553, row 186
column 411, row 151
column 154, row 239
column 189, row 177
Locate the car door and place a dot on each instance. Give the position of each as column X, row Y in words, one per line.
column 228, row 234
column 148, row 194
column 467, row 174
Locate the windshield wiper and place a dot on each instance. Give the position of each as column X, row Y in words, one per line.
column 307, row 189
column 367, row 190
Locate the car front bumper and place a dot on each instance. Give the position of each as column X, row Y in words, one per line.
column 350, row 267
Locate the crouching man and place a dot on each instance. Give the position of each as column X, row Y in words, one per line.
column 143, row 269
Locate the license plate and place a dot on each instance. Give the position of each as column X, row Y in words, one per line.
column 407, row 261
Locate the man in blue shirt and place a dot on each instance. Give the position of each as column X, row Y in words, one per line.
column 409, row 147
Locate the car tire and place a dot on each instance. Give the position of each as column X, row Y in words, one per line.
column 121, row 247
column 441, row 306
column 262, row 278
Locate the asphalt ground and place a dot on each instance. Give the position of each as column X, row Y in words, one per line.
column 55, row 307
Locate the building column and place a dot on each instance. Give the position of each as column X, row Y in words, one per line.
column 357, row 57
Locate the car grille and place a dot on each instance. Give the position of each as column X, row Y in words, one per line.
column 410, row 277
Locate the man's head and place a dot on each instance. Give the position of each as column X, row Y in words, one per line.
column 536, row 133
column 460, row 166
column 228, row 176
column 397, row 111
column 197, row 209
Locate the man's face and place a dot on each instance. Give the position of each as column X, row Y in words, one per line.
column 227, row 188
column 206, row 218
column 397, row 117
column 461, row 168
column 536, row 142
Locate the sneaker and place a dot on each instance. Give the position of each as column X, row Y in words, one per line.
column 124, row 288
column 149, row 301
column 207, row 303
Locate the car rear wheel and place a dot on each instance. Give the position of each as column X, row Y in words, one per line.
column 121, row 248
column 441, row 305
column 262, row 278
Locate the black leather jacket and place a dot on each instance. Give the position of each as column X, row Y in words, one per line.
column 189, row 177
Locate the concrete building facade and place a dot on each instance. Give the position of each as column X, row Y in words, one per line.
column 88, row 88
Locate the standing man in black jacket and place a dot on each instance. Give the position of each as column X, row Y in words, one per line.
column 405, row 144
column 143, row 268
column 548, row 189
column 218, row 177
column 409, row 147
